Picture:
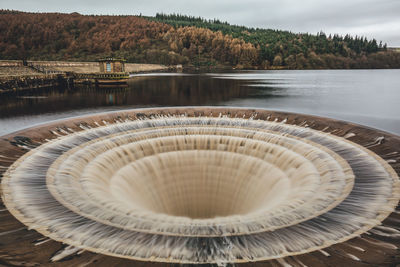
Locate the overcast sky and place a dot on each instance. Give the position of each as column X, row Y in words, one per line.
column 378, row 19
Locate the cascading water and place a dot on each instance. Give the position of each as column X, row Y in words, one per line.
column 200, row 189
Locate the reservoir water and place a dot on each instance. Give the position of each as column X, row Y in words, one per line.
column 368, row 97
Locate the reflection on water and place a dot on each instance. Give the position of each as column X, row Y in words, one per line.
column 141, row 91
column 370, row 97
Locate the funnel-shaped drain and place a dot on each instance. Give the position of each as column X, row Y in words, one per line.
column 200, row 189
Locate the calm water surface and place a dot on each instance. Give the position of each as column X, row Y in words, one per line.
column 368, row 97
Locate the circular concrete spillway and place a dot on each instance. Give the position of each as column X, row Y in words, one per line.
column 205, row 185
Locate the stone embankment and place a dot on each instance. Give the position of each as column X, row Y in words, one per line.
column 29, row 82
column 77, row 67
column 16, row 71
column 17, row 75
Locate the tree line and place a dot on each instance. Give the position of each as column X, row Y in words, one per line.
column 179, row 39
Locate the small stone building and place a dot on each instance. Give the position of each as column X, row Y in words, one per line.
column 110, row 65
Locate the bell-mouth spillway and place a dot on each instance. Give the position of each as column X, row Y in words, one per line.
column 202, row 185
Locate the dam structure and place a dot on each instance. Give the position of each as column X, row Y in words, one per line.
column 200, row 185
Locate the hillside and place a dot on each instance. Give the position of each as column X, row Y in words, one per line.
column 177, row 39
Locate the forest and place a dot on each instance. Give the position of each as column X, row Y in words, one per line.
column 178, row 39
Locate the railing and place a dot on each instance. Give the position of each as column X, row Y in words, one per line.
column 43, row 69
